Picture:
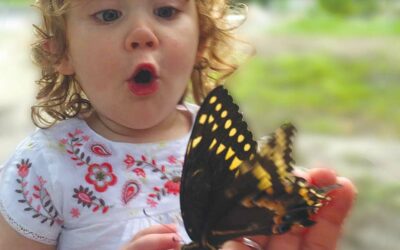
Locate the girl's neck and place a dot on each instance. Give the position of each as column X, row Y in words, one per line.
column 177, row 125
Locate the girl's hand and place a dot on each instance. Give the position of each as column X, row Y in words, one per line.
column 157, row 237
column 325, row 234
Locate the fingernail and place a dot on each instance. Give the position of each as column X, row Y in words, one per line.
column 176, row 238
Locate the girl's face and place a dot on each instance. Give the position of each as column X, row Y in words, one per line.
column 133, row 58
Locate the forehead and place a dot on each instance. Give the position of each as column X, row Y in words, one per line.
column 77, row 5
column 116, row 1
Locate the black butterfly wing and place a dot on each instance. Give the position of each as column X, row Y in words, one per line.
column 219, row 142
column 243, row 217
column 228, row 189
column 277, row 158
column 291, row 197
column 271, row 198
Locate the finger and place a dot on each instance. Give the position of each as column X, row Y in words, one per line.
column 322, row 177
column 288, row 241
column 155, row 242
column 294, row 239
column 234, row 245
column 342, row 197
column 238, row 244
column 301, row 173
column 156, row 229
column 325, row 233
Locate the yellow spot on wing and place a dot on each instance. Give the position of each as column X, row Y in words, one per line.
column 218, row 107
column 188, row 147
column 263, row 177
column 304, row 193
column 264, row 184
column 215, row 126
column 228, row 123
column 213, row 99
column 196, row 141
column 235, row 163
column 232, row 132
column 213, row 144
column 259, row 172
column 224, row 114
column 229, row 154
column 210, row 119
column 221, row 148
column 203, row 119
column 240, row 138
column 247, row 147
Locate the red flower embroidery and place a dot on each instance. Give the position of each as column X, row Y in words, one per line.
column 23, row 168
column 140, row 172
column 100, row 150
column 101, row 176
column 38, row 203
column 86, row 198
column 59, row 221
column 23, row 171
column 130, row 190
column 172, row 159
column 151, row 202
column 172, row 187
column 78, row 131
column 75, row 212
column 63, row 141
column 129, row 160
column 41, row 180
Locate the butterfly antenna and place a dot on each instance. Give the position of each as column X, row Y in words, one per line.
column 159, row 222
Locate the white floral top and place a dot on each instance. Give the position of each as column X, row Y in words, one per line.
column 70, row 187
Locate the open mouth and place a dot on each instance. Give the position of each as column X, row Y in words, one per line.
column 144, row 76
column 144, row 81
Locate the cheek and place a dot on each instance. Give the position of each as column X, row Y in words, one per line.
column 91, row 62
column 182, row 54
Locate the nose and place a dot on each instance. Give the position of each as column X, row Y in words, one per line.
column 141, row 38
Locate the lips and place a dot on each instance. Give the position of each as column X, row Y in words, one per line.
column 144, row 80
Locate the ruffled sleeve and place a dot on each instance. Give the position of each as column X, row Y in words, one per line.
column 26, row 193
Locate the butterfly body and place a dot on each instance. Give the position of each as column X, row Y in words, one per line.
column 230, row 188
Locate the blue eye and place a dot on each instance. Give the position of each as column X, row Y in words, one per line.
column 108, row 16
column 166, row 12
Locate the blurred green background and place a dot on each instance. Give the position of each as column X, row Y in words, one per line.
column 332, row 68
column 329, row 66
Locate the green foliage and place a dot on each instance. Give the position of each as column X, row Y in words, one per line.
column 323, row 24
column 260, row 2
column 17, row 3
column 350, row 7
column 385, row 194
column 322, row 93
column 275, row 4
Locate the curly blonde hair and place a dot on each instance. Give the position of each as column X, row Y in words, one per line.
column 60, row 96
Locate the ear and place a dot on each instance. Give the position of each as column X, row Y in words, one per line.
column 200, row 50
column 64, row 66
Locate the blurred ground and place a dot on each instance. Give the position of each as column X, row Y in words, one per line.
column 17, row 76
column 367, row 160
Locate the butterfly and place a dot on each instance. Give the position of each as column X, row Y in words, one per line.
column 233, row 187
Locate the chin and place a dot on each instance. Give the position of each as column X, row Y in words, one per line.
column 143, row 122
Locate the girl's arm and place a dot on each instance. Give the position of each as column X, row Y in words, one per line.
column 11, row 240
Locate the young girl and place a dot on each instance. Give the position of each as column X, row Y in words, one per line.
column 103, row 169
